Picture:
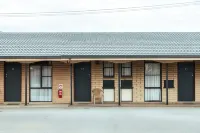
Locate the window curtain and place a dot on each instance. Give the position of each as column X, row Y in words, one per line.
column 108, row 69
column 152, row 75
column 46, row 76
column 41, row 95
column 126, row 69
column 152, row 94
column 35, row 76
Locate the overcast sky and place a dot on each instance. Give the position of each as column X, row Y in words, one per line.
column 166, row 19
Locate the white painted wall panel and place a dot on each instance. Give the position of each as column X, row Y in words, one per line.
column 126, row 94
column 109, row 95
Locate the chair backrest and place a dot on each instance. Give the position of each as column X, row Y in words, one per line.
column 97, row 92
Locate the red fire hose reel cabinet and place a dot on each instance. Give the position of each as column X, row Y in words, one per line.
column 60, row 90
column 60, row 93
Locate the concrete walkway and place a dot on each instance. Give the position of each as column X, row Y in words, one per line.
column 100, row 120
column 77, row 105
column 35, row 106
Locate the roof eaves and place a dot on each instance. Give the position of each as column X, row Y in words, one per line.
column 99, row 56
column 130, row 56
column 30, row 57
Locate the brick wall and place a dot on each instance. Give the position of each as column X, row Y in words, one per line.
column 138, row 81
column 23, row 84
column 61, row 75
column 96, row 76
column 197, row 81
column 172, row 75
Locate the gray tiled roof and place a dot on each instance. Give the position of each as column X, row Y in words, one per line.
column 136, row 44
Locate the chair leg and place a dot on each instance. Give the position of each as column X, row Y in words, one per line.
column 94, row 100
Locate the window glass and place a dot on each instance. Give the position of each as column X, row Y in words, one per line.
column 126, row 69
column 41, row 95
column 108, row 69
column 46, row 82
column 152, row 69
column 35, row 76
column 46, row 71
column 152, row 75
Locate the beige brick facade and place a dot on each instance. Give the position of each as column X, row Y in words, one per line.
column 172, row 75
column 61, row 75
column 197, row 81
column 138, row 81
column 96, row 76
column 23, row 84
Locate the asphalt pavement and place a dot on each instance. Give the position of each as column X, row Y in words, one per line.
column 100, row 120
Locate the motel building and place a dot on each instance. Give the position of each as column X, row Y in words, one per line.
column 101, row 68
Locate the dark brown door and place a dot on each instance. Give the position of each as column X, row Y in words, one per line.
column 12, row 82
column 186, row 82
column 82, row 82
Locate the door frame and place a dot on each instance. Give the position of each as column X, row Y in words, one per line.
column 5, row 81
column 74, row 83
column 194, row 77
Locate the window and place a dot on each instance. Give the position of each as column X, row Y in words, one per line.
column 40, row 83
column 109, row 90
column 108, row 69
column 126, row 69
column 126, row 90
column 152, row 82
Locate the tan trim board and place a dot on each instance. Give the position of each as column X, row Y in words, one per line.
column 115, row 60
column 133, row 59
column 32, row 60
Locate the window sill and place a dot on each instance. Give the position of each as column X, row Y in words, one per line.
column 126, row 76
column 108, row 76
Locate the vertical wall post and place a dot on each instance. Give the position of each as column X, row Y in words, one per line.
column 119, row 84
column 26, row 75
column 166, row 83
column 71, row 70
